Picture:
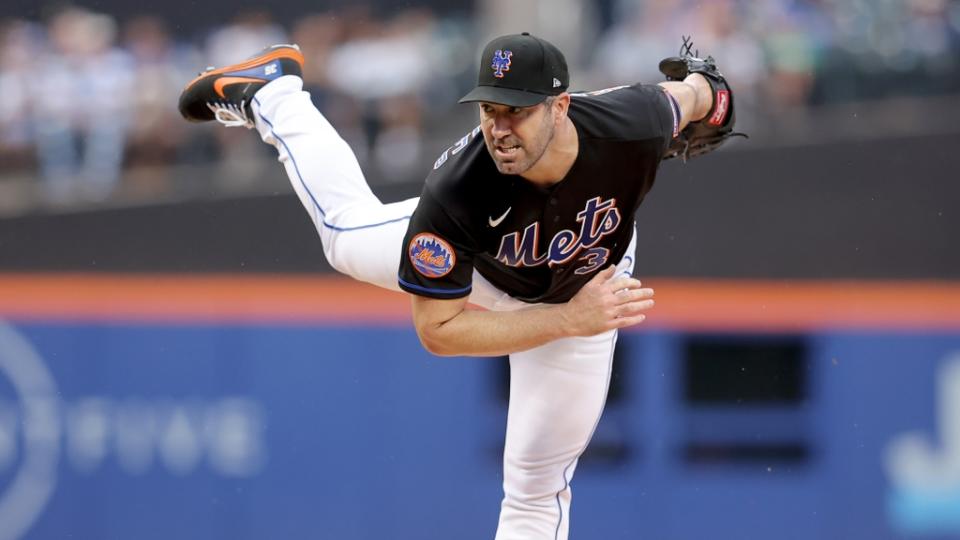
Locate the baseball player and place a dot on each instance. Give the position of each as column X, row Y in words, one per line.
column 529, row 215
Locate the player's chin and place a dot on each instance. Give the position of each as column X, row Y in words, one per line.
column 510, row 166
column 507, row 167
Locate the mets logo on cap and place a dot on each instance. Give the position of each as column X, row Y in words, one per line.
column 501, row 62
column 431, row 255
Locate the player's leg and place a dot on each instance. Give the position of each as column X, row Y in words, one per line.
column 361, row 236
column 557, row 394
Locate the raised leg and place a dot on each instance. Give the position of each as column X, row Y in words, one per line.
column 361, row 236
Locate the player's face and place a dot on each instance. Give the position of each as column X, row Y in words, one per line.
column 516, row 137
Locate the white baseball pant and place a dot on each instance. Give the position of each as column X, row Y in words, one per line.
column 557, row 391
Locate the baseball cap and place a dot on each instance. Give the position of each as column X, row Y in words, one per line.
column 519, row 70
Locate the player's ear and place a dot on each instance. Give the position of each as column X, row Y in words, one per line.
column 561, row 105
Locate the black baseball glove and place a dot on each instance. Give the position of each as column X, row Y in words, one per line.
column 714, row 129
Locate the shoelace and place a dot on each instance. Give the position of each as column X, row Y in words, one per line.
column 230, row 115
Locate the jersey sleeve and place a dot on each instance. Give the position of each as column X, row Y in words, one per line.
column 640, row 112
column 437, row 258
column 661, row 116
column 669, row 117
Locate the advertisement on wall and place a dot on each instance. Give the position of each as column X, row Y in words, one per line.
column 257, row 431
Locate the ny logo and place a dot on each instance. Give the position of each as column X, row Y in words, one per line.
column 501, row 62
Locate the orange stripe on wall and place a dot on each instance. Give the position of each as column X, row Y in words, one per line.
column 191, row 298
column 705, row 305
column 806, row 305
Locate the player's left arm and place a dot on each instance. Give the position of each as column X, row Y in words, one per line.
column 705, row 101
column 693, row 95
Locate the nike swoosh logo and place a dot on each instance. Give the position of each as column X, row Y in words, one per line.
column 224, row 81
column 499, row 220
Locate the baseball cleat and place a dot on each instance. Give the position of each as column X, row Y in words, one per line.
column 224, row 94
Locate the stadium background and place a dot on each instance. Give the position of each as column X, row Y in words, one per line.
column 178, row 361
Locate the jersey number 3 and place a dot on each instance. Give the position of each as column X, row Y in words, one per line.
column 594, row 258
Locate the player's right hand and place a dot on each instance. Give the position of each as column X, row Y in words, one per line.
column 605, row 303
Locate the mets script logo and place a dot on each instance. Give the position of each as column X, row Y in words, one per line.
column 431, row 255
column 501, row 62
column 598, row 219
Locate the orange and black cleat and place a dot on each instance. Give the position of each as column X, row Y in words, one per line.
column 224, row 94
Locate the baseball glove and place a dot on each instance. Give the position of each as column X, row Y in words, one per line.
column 716, row 127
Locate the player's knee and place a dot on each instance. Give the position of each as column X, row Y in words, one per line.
column 338, row 258
column 360, row 269
column 334, row 261
column 533, row 486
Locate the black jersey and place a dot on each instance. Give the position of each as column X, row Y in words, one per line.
column 540, row 244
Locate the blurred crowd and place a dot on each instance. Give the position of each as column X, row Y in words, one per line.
column 794, row 53
column 88, row 102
